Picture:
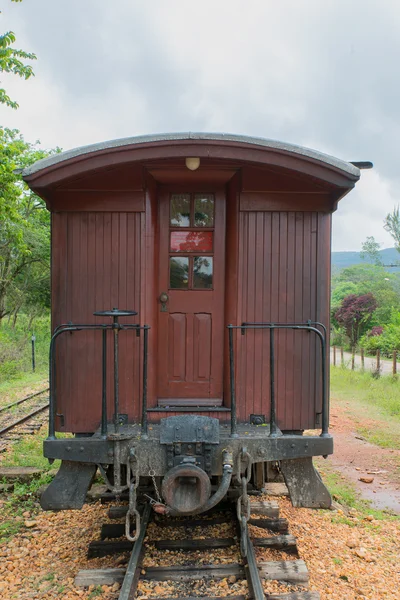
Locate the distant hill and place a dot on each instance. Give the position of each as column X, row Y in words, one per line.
column 340, row 260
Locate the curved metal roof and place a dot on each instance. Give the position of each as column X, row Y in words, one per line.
column 224, row 137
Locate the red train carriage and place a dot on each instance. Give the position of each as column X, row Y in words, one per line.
column 217, row 248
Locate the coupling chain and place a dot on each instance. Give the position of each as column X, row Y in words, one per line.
column 243, row 504
column 132, row 468
column 152, row 474
column 244, row 456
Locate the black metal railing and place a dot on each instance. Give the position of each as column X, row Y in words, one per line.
column 116, row 327
column 311, row 326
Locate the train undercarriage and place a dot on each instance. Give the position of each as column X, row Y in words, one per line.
column 183, row 455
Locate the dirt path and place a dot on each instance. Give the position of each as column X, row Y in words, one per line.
column 356, row 458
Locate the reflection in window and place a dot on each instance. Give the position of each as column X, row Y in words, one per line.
column 203, row 272
column 204, row 210
column 191, row 241
column 179, row 272
column 180, row 210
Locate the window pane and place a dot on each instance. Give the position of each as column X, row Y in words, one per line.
column 180, row 210
column 179, row 272
column 203, row 272
column 204, row 210
column 191, row 241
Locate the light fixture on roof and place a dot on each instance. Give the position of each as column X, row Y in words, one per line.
column 192, row 163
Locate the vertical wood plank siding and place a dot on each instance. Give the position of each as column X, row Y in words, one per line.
column 284, row 261
column 96, row 266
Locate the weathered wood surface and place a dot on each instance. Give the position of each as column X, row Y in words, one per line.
column 88, row 577
column 106, row 548
column 202, row 598
column 279, row 525
column 291, row 571
column 265, row 508
column 279, row 542
column 191, row 573
column 295, row 596
column 276, row 489
column 207, row 544
column 19, row 473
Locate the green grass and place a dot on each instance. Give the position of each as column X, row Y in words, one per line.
column 382, row 394
column 369, row 399
column 27, row 452
column 15, row 389
column 16, row 347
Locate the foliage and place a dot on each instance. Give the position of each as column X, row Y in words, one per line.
column 15, row 347
column 11, row 61
column 378, row 330
column 370, row 249
column 24, row 232
column 364, row 278
column 386, row 341
column 354, row 315
column 392, row 225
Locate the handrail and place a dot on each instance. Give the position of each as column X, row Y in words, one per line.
column 116, row 327
column 308, row 326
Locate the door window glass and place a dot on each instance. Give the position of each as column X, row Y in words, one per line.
column 203, row 210
column 202, row 272
column 180, row 210
column 191, row 241
column 179, row 272
column 191, row 232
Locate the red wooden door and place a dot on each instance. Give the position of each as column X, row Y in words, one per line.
column 191, row 274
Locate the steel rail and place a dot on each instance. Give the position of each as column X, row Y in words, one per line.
column 127, row 590
column 252, row 572
column 3, row 408
column 23, row 419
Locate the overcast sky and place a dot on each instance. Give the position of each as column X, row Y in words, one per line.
column 318, row 74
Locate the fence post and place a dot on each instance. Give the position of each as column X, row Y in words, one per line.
column 362, row 358
column 394, row 362
column 352, row 359
column 341, row 356
column 378, row 362
column 33, row 340
column 334, row 356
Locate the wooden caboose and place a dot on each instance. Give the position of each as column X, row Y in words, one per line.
column 193, row 232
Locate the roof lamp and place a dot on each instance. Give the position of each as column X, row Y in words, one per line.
column 192, row 163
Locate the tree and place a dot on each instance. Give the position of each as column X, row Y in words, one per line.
column 24, row 229
column 370, row 250
column 354, row 315
column 392, row 225
column 364, row 278
column 11, row 61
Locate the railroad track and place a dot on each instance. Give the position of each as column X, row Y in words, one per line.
column 14, row 416
column 200, row 558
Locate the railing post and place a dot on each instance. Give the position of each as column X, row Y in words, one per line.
column 232, row 384
column 144, row 400
column 33, row 340
column 52, row 393
column 394, row 363
column 273, row 431
column 341, row 356
column 104, row 386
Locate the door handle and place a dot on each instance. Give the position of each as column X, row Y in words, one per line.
column 164, row 299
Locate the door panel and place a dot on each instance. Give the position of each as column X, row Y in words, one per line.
column 191, row 263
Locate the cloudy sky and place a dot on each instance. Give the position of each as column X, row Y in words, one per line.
column 319, row 74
